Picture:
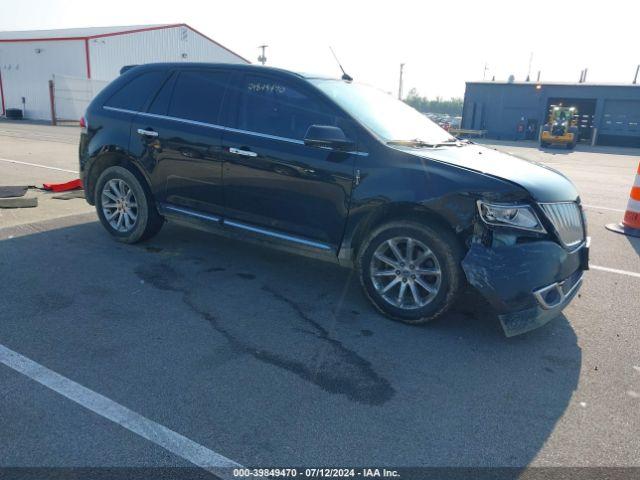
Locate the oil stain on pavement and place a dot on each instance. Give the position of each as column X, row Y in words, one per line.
column 333, row 367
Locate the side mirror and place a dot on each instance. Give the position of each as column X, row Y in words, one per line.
column 327, row 136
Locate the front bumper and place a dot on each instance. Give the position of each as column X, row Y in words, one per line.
column 527, row 284
column 547, row 137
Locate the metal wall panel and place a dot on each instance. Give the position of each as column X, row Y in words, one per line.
column 621, row 117
column 617, row 107
column 500, row 110
column 109, row 54
column 73, row 95
column 26, row 68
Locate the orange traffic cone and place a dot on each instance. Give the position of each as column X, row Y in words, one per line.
column 631, row 222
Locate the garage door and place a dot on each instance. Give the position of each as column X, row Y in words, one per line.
column 620, row 123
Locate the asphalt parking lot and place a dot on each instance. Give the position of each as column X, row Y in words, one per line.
column 268, row 359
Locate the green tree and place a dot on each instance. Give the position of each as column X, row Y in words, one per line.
column 453, row 106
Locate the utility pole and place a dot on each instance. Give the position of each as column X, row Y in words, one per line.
column 635, row 79
column 529, row 70
column 400, row 83
column 484, row 73
column 262, row 58
column 583, row 75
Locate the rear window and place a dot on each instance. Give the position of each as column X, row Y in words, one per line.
column 198, row 95
column 135, row 94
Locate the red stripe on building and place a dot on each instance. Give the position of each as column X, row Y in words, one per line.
column 86, row 38
column 213, row 41
column 10, row 40
column 161, row 27
column 137, row 30
column 99, row 35
column 86, row 54
column 2, row 94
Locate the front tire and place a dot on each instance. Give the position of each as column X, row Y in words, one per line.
column 125, row 208
column 411, row 272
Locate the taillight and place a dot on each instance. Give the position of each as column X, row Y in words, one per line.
column 83, row 124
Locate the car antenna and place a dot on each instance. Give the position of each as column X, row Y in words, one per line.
column 345, row 75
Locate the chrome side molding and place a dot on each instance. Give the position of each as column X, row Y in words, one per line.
column 279, row 235
column 243, row 226
column 190, row 213
column 218, row 127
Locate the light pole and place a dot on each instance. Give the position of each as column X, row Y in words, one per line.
column 262, row 58
column 400, row 83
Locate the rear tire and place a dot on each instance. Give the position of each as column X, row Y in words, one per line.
column 399, row 283
column 125, row 206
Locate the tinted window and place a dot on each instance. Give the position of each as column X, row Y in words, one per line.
column 160, row 104
column 135, row 94
column 198, row 95
column 274, row 107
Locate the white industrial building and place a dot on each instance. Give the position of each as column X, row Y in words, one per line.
column 80, row 61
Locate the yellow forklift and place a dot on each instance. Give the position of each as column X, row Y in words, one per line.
column 561, row 128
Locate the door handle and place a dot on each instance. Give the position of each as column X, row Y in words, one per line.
column 147, row 133
column 239, row 151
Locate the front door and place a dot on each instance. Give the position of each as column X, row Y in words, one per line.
column 273, row 180
column 181, row 139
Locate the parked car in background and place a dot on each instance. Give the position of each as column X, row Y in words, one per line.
column 340, row 171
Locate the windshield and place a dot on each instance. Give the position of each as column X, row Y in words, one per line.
column 390, row 119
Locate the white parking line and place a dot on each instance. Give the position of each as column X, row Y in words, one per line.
column 132, row 421
column 39, row 136
column 594, row 207
column 37, row 165
column 615, row 270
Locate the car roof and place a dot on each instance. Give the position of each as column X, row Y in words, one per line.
column 229, row 66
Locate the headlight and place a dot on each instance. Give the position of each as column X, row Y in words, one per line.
column 515, row 216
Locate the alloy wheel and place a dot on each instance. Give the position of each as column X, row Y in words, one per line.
column 405, row 273
column 119, row 205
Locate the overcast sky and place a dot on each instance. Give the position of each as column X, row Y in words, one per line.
column 443, row 44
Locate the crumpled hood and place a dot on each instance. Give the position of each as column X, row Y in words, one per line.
column 543, row 183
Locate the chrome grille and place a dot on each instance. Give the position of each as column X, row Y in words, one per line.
column 566, row 218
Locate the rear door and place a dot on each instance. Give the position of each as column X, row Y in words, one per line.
column 274, row 181
column 179, row 138
column 121, row 107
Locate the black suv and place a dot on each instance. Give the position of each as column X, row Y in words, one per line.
column 337, row 170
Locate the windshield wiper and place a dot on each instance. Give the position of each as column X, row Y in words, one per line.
column 417, row 143
column 451, row 143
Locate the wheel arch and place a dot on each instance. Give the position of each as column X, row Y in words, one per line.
column 402, row 211
column 112, row 159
